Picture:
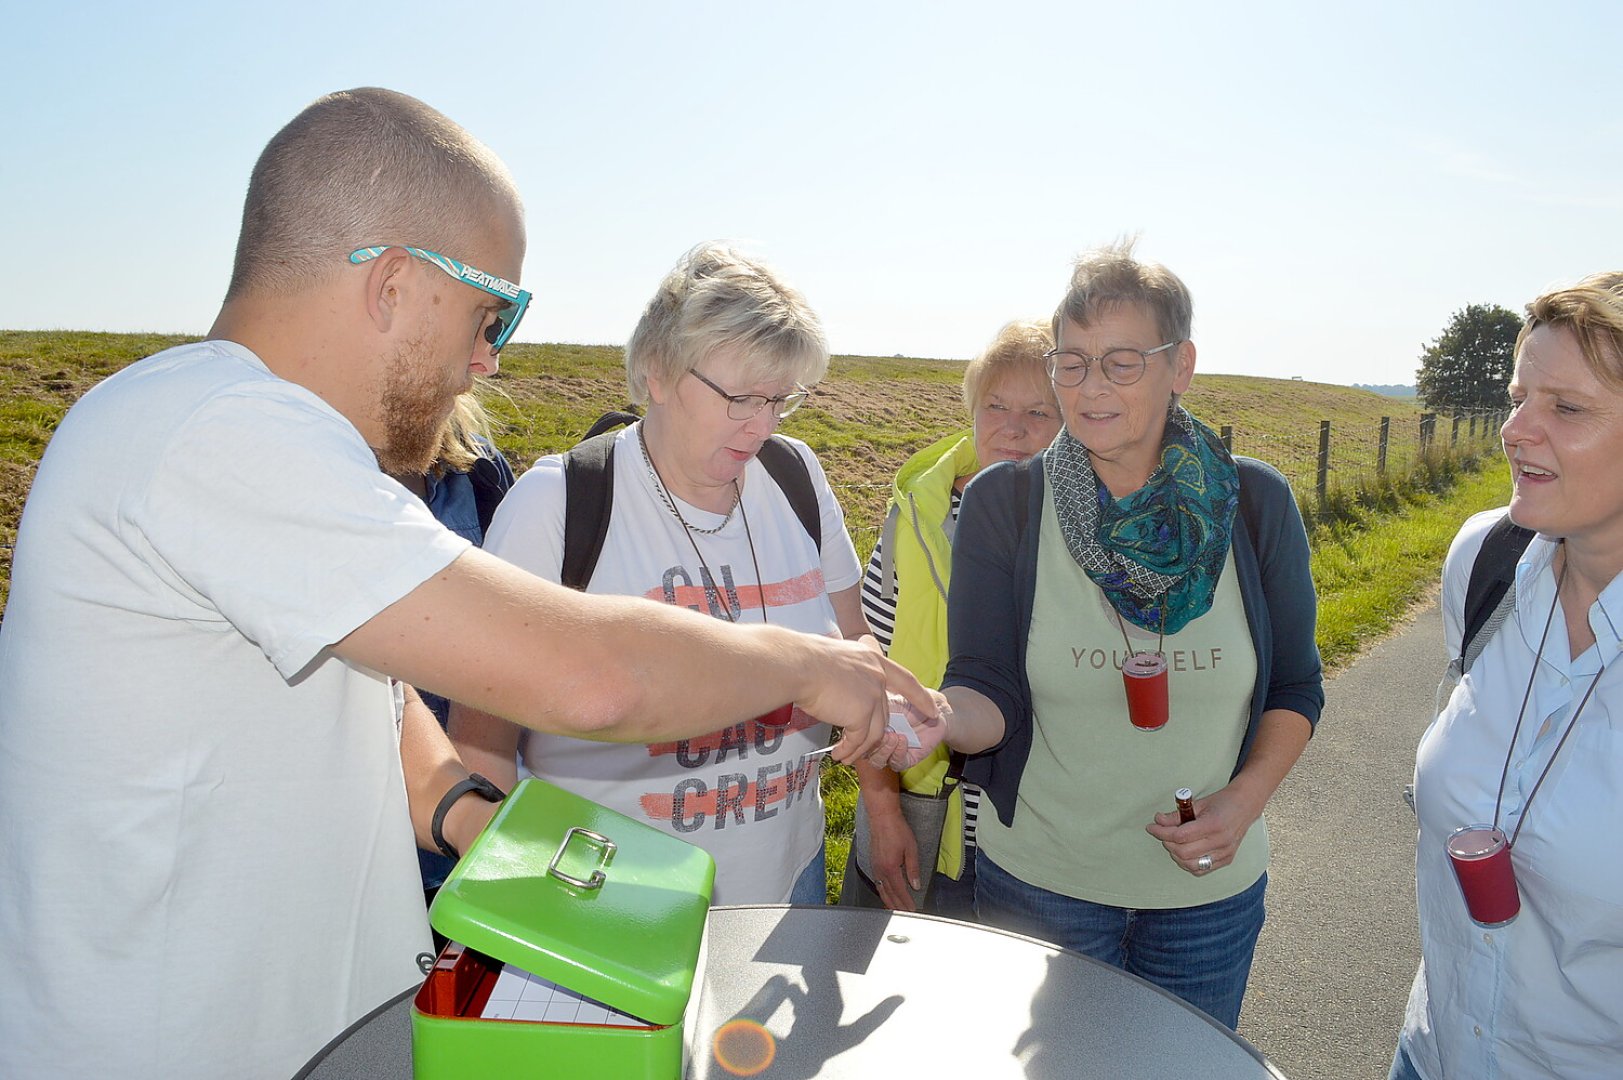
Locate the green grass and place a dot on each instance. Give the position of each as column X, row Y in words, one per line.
column 1369, row 573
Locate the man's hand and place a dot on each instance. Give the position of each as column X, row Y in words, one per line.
column 852, row 695
column 929, row 729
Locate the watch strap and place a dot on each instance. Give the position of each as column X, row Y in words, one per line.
column 472, row 783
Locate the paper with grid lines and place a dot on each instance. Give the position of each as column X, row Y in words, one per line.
column 520, row 995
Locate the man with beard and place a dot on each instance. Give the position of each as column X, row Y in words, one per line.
column 219, row 600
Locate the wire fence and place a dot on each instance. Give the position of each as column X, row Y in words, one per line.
column 1320, row 461
column 1356, row 456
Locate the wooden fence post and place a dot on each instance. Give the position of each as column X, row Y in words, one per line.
column 1428, row 429
column 1454, row 431
column 1227, row 435
column 1380, row 454
column 1324, row 459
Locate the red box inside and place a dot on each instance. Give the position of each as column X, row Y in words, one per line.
column 459, row 984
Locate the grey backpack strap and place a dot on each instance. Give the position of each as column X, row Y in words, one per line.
column 887, row 555
column 918, row 531
column 1505, row 608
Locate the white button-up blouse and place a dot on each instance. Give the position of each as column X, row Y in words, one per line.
column 1543, row 995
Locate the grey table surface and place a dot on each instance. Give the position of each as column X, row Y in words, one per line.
column 847, row 993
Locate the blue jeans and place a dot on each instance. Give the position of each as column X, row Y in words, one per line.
column 1202, row 954
column 811, row 887
column 953, row 899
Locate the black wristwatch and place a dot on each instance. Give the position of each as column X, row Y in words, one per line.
column 476, row 783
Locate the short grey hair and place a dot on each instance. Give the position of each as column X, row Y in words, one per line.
column 364, row 167
column 1106, row 277
column 717, row 298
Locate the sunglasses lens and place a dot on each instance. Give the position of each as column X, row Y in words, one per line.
column 501, row 327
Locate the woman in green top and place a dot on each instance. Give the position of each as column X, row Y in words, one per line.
column 1135, row 532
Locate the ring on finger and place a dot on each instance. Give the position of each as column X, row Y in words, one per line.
column 1204, row 863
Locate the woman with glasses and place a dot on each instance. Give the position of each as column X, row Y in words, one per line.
column 723, row 352
column 1133, row 542
column 896, row 859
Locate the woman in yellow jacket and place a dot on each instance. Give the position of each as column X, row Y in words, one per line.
column 1011, row 403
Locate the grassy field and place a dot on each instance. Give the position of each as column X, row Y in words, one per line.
column 1381, row 553
column 863, row 421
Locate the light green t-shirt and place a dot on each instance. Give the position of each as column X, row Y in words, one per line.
column 1093, row 781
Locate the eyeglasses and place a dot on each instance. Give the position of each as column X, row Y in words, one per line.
column 506, row 319
column 747, row 406
column 1124, row 367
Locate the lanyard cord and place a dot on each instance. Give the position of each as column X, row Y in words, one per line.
column 1121, row 624
column 688, row 531
column 1521, row 713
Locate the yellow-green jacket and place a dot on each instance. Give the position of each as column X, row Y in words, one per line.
column 916, row 548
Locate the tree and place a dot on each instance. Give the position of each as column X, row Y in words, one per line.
column 1469, row 365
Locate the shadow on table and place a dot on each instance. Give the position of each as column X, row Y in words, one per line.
column 744, row 1046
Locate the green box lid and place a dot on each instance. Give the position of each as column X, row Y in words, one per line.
column 626, row 931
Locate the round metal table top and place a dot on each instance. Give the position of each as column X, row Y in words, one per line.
column 831, row 992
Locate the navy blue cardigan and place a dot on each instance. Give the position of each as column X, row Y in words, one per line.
column 994, row 584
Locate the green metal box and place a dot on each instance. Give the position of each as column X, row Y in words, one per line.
column 586, row 898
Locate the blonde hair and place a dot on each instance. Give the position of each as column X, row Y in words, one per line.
column 716, row 298
column 458, row 447
column 1109, row 276
column 1593, row 310
column 1018, row 346
column 363, row 167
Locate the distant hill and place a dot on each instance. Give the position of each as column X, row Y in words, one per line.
column 1386, row 389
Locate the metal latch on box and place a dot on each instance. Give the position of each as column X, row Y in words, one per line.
column 606, row 849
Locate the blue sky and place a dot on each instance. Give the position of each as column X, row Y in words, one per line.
column 1332, row 181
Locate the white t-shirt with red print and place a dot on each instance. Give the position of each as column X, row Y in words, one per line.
column 748, row 792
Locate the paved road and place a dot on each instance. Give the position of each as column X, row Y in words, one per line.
column 1340, row 946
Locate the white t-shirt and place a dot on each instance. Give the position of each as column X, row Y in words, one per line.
column 206, row 864
column 748, row 794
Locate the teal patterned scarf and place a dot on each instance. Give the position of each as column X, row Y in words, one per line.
column 1158, row 552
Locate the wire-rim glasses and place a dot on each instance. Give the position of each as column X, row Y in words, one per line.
column 748, row 406
column 1123, row 367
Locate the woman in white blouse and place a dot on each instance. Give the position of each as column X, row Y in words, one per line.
column 1532, row 737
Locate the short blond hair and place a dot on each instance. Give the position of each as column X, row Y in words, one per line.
column 1593, row 310
column 358, row 168
column 717, row 298
column 1018, row 347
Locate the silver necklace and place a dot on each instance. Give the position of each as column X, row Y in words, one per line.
column 688, row 530
column 670, row 503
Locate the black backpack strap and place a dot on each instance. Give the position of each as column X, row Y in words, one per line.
column 788, row 470
column 589, row 497
column 1493, row 574
column 589, row 494
column 1022, row 495
column 490, row 482
column 611, row 421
